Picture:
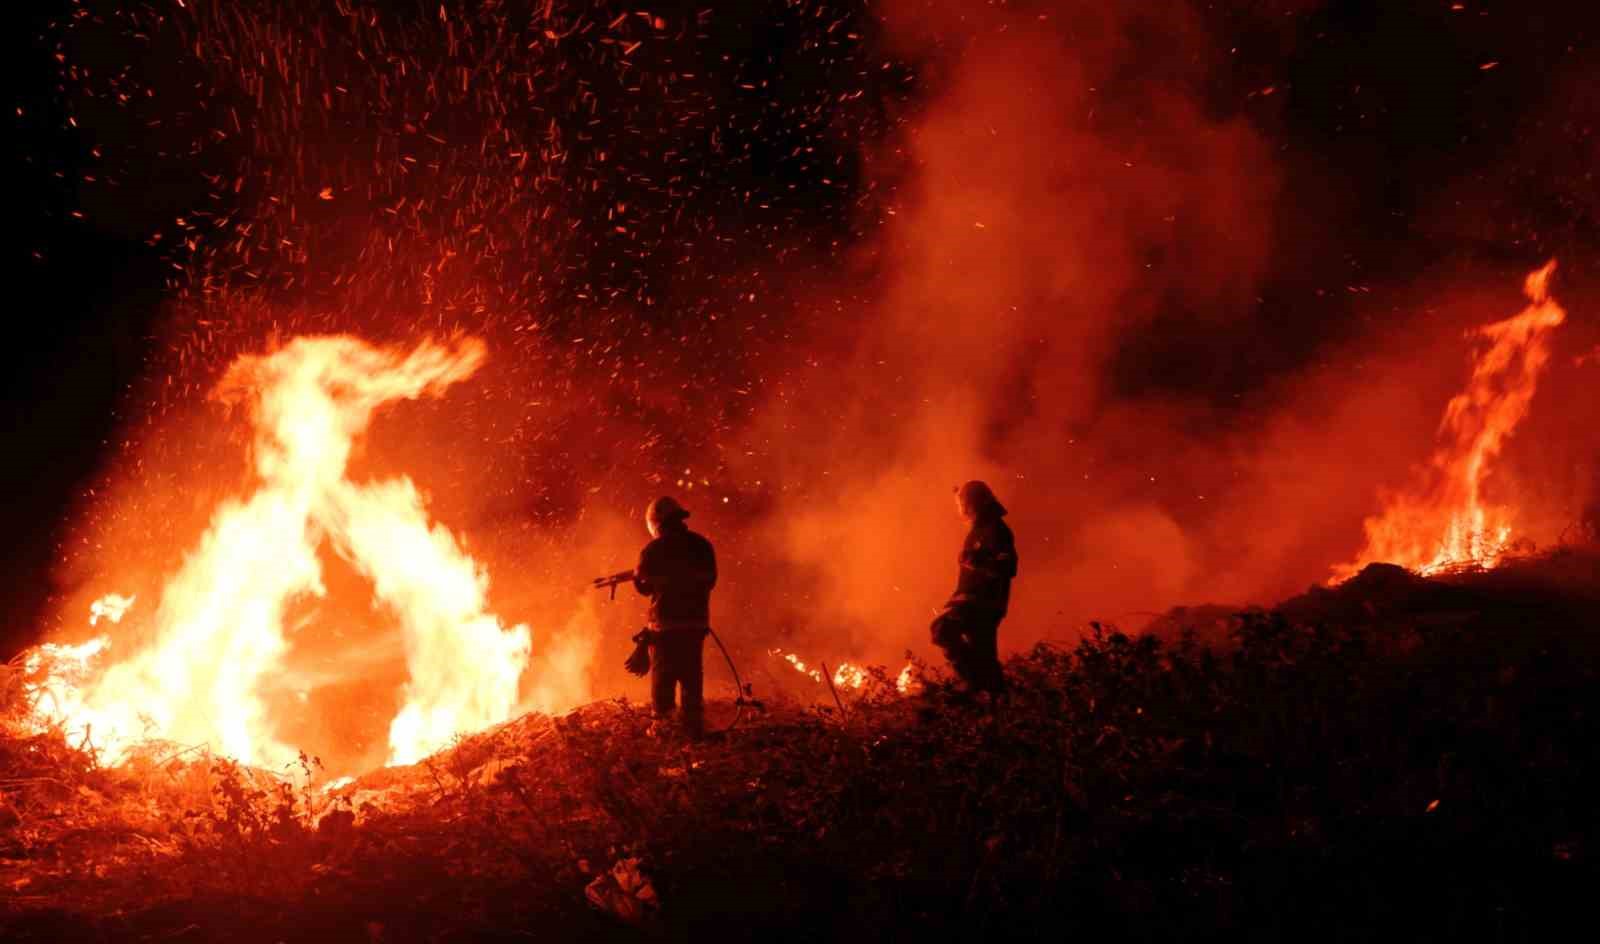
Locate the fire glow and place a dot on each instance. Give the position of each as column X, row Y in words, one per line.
column 849, row 675
column 1448, row 522
column 217, row 638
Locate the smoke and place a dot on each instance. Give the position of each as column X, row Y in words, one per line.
column 1066, row 278
column 1060, row 207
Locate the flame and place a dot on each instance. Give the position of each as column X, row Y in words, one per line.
column 907, row 682
column 112, row 606
column 56, row 674
column 849, row 675
column 799, row 666
column 1450, row 523
column 217, row 635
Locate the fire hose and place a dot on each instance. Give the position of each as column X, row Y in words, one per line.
column 639, row 662
column 740, row 700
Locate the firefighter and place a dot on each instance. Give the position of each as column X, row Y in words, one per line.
column 968, row 628
column 676, row 570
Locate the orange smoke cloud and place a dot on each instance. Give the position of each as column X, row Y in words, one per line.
column 1039, row 225
column 1060, row 216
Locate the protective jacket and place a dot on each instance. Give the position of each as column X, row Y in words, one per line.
column 988, row 562
column 677, row 571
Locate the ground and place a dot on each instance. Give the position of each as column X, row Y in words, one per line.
column 1393, row 757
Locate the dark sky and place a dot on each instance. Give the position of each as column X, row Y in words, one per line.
column 83, row 301
column 1412, row 136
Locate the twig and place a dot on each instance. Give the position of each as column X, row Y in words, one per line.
column 977, row 874
column 23, row 781
column 827, row 676
column 177, row 754
column 444, row 793
column 87, row 746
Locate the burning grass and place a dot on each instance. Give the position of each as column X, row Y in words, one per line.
column 1393, row 756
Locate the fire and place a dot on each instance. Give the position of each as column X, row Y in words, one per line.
column 217, row 636
column 1450, row 523
column 112, row 606
column 849, row 675
column 799, row 666
column 56, row 675
column 907, row 682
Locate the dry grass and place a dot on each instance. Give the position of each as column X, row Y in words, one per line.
column 1402, row 757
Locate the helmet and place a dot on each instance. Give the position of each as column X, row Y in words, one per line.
column 976, row 499
column 661, row 512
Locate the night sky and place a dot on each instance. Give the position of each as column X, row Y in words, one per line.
column 1409, row 138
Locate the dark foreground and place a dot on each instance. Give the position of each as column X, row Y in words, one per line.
column 1395, row 759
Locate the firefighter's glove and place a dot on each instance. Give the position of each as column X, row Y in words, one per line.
column 639, row 662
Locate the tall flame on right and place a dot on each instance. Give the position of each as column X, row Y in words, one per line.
column 1447, row 522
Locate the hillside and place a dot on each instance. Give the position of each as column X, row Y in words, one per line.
column 1392, row 757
